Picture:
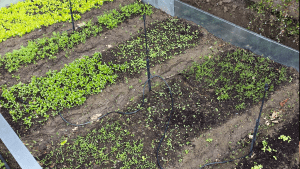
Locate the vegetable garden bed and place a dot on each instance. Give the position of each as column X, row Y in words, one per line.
column 216, row 100
column 276, row 20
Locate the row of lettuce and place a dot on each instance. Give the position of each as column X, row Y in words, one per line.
column 64, row 89
column 24, row 17
column 48, row 47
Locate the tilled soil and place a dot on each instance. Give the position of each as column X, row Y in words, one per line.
column 235, row 11
column 118, row 96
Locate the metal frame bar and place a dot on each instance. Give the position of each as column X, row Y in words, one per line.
column 16, row 146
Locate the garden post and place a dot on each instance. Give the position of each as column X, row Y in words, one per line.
column 72, row 15
column 148, row 67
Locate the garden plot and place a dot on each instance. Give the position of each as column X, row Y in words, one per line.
column 131, row 140
column 44, row 49
column 276, row 20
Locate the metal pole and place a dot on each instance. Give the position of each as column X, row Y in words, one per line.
column 72, row 15
column 148, row 67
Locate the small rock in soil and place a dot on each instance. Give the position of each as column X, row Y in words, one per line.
column 210, row 90
column 234, row 7
column 225, row 9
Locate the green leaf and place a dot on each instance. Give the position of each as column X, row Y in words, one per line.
column 63, row 142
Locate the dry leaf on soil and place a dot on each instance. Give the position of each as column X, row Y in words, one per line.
column 283, row 102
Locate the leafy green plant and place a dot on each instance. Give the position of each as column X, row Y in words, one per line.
column 257, row 167
column 209, row 140
column 64, row 142
column 240, row 106
column 1, row 164
column 285, row 138
column 266, row 147
column 17, row 77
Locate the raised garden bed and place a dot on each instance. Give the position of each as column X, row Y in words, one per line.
column 276, row 20
column 216, row 101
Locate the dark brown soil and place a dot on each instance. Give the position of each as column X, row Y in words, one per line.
column 235, row 11
column 185, row 91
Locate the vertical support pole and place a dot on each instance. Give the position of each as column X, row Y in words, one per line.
column 148, row 67
column 257, row 121
column 72, row 15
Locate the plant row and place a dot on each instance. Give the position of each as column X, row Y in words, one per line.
column 110, row 144
column 48, row 47
column 68, row 87
column 165, row 39
column 58, row 90
column 27, row 16
column 246, row 83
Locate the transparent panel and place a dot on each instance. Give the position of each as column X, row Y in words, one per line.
column 164, row 5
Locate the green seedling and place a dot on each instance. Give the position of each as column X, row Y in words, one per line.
column 64, row 142
column 285, row 138
column 257, row 167
column 209, row 140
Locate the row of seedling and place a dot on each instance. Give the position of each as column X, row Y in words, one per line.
column 45, row 47
column 38, row 13
column 106, row 146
